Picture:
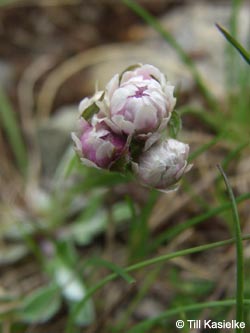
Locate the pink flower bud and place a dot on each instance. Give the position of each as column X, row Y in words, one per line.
column 163, row 164
column 97, row 145
column 139, row 102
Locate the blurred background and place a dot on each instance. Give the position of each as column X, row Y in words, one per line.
column 57, row 217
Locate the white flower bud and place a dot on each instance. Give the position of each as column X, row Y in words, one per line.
column 139, row 102
column 163, row 164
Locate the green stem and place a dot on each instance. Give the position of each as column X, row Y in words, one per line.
column 176, row 230
column 147, row 324
column 10, row 123
column 115, row 268
column 243, row 52
column 239, row 254
column 146, row 263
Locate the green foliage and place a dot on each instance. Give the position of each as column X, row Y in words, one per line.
column 171, row 233
column 41, row 305
column 139, row 232
column 243, row 52
column 111, row 266
column 174, row 124
column 9, row 2
column 90, row 111
column 10, row 124
column 148, row 324
column 94, row 220
column 154, row 261
column 64, row 275
column 239, row 254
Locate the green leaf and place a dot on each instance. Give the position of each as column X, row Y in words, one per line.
column 66, row 166
column 90, row 111
column 41, row 305
column 83, row 233
column 146, row 263
column 120, row 164
column 113, row 267
column 86, row 314
column 74, row 291
column 63, row 270
column 94, row 221
column 174, row 124
column 239, row 254
column 235, row 43
column 10, row 124
column 7, row 3
column 148, row 324
column 139, row 241
column 66, row 251
column 168, row 235
column 95, row 178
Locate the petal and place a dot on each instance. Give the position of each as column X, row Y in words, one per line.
column 147, row 71
column 146, row 119
column 84, row 104
column 126, row 126
column 151, row 140
column 112, row 85
column 112, row 125
column 163, row 123
column 119, row 98
column 158, row 99
column 89, row 163
column 104, row 153
column 78, row 144
column 169, row 189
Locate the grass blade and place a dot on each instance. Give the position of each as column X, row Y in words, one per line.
column 139, row 235
column 239, row 254
column 147, row 324
column 113, row 267
column 9, row 121
column 143, row 264
column 176, row 230
column 243, row 52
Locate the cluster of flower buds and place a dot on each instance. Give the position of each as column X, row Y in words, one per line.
column 124, row 127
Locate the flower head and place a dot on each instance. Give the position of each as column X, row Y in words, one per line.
column 122, row 126
column 162, row 165
column 97, row 145
column 139, row 102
